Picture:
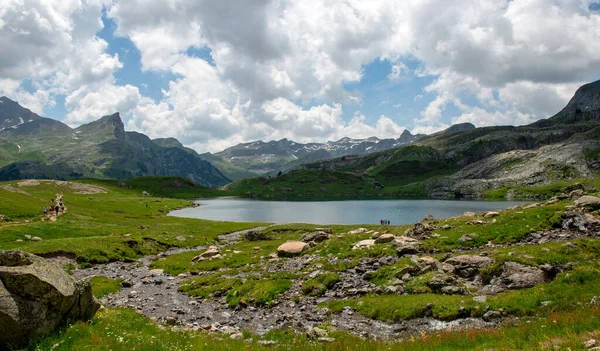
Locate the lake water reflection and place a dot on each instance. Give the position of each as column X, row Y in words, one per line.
column 334, row 212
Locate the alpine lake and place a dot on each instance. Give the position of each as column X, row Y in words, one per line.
column 398, row 212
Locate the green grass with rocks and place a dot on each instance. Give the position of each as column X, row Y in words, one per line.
column 124, row 330
column 120, row 224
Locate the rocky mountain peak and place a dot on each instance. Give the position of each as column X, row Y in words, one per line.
column 586, row 98
column 111, row 124
column 12, row 114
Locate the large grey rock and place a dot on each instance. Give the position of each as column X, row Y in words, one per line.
column 520, row 276
column 406, row 246
column 468, row 266
column 37, row 296
column 315, row 237
column 590, row 202
column 441, row 280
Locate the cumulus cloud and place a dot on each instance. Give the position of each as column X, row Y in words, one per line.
column 279, row 68
column 87, row 105
column 53, row 45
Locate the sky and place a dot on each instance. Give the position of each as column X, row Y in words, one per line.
column 217, row 73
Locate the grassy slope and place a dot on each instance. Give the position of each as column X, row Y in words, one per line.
column 565, row 321
column 172, row 187
column 117, row 225
column 315, row 184
column 95, row 231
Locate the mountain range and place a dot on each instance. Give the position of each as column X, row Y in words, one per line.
column 461, row 161
column 36, row 147
column 269, row 158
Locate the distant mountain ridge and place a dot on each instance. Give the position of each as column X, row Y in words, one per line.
column 36, row 147
column 264, row 158
column 462, row 161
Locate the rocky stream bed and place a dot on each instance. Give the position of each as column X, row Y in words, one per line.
column 156, row 295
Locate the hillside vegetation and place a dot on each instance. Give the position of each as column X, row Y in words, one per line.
column 458, row 162
column 36, row 147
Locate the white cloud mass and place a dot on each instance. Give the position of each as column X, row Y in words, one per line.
column 279, row 68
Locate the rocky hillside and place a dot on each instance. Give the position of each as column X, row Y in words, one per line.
column 269, row 158
column 462, row 160
column 37, row 147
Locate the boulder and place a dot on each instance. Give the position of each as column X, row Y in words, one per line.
column 406, row 245
column 420, row 230
column 468, row 266
column 491, row 214
column 385, row 238
column 428, row 219
column 576, row 194
column 519, row 276
column 491, row 316
column 315, row 237
column 145, row 193
column 292, row 248
column 211, row 252
column 579, row 221
column 37, row 296
column 589, row 202
column 440, row 280
column 255, row 235
column 363, row 244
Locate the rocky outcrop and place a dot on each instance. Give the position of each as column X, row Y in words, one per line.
column 406, row 246
column 468, row 266
column 588, row 202
column 516, row 276
column 255, row 235
column 37, row 296
column 420, row 230
column 314, row 237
